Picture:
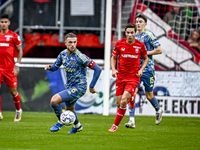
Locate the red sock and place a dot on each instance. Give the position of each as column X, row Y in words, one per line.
column 120, row 114
column 0, row 103
column 16, row 100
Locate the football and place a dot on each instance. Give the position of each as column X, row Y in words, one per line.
column 67, row 117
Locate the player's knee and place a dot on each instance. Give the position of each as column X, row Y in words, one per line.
column 56, row 99
column 53, row 100
column 13, row 93
column 123, row 103
column 149, row 97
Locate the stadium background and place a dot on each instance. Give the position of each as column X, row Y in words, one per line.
column 43, row 24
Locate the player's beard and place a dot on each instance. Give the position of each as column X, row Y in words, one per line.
column 71, row 51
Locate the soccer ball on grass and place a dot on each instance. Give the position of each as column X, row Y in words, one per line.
column 67, row 117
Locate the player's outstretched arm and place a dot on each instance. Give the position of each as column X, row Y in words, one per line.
column 97, row 72
column 51, row 67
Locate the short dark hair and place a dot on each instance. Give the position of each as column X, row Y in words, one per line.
column 4, row 16
column 141, row 16
column 71, row 35
column 131, row 25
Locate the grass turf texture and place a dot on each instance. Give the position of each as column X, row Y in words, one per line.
column 32, row 133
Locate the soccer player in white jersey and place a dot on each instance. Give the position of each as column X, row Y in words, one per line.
column 75, row 64
column 153, row 48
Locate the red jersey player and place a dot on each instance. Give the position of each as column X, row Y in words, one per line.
column 128, row 52
column 8, row 69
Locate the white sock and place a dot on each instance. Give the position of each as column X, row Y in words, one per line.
column 77, row 125
column 132, row 119
column 18, row 110
column 115, row 126
column 158, row 111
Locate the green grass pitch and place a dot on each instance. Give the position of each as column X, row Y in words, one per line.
column 32, row 133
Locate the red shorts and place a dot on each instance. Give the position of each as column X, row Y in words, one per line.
column 129, row 86
column 10, row 78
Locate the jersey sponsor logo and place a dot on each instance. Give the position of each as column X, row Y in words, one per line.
column 129, row 56
column 136, row 47
column 123, row 49
column 8, row 36
column 4, row 44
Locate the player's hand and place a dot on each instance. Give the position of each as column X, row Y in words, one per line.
column 114, row 73
column 92, row 90
column 47, row 67
column 139, row 74
column 16, row 70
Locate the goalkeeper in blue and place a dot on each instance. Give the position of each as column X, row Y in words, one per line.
column 75, row 64
column 153, row 48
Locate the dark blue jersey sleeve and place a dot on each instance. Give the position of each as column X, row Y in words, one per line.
column 57, row 63
column 97, row 72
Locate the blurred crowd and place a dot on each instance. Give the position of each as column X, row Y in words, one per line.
column 194, row 40
column 187, row 26
column 185, row 21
